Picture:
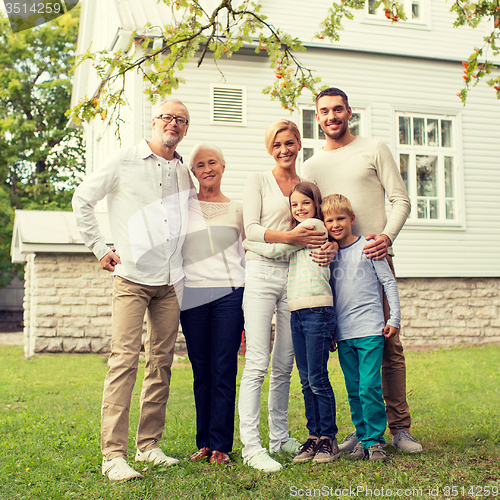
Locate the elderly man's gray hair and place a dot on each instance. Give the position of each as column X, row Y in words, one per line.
column 157, row 108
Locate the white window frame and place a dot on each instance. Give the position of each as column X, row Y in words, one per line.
column 317, row 143
column 233, row 123
column 440, row 151
column 422, row 22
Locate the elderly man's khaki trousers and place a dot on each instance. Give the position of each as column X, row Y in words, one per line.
column 130, row 303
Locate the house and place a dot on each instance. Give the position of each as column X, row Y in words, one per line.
column 402, row 81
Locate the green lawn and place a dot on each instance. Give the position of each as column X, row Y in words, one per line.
column 50, row 448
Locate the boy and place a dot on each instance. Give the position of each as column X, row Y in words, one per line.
column 357, row 283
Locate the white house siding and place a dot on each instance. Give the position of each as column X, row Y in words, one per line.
column 384, row 84
column 437, row 38
column 98, row 28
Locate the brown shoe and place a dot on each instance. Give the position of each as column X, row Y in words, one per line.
column 307, row 450
column 201, row 454
column 326, row 450
column 219, row 457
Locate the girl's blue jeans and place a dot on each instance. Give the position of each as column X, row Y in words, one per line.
column 312, row 335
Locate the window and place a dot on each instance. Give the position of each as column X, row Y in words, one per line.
column 427, row 153
column 414, row 10
column 228, row 105
column 313, row 137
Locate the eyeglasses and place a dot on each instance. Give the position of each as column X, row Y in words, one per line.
column 168, row 118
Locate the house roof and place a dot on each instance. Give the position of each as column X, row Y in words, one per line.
column 43, row 231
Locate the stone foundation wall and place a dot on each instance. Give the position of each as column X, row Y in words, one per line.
column 67, row 307
column 449, row 311
column 67, row 304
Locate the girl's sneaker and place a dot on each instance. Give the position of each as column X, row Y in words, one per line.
column 307, row 450
column 326, row 450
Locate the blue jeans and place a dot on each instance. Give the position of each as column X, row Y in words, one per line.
column 312, row 335
column 213, row 335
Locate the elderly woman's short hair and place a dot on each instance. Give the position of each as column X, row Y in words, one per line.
column 205, row 146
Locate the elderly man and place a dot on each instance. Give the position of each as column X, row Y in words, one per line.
column 147, row 189
column 364, row 171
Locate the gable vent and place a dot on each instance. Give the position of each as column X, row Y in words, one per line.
column 228, row 105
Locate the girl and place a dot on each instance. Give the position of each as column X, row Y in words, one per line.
column 312, row 322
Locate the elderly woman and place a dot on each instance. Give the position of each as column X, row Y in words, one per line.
column 211, row 313
column 267, row 218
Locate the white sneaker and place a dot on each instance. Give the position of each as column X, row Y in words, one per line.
column 156, row 456
column 117, row 469
column 406, row 442
column 262, row 461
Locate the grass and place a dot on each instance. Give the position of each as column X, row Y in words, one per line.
column 50, row 447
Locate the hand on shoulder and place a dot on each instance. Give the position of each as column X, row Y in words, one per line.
column 378, row 248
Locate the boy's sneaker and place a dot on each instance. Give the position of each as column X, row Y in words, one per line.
column 117, row 469
column 291, row 445
column 406, row 442
column 307, row 450
column 262, row 461
column 349, row 443
column 376, row 453
column 359, row 453
column 326, row 450
column 156, row 456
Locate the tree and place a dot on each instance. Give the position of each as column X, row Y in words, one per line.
column 41, row 158
column 165, row 50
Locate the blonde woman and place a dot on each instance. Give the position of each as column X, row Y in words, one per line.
column 266, row 216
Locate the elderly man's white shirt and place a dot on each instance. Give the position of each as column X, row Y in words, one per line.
column 147, row 199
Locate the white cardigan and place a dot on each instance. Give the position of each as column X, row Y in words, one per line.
column 264, row 207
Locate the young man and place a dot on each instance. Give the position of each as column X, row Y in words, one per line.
column 147, row 189
column 364, row 171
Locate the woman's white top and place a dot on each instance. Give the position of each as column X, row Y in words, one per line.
column 264, row 207
column 213, row 251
